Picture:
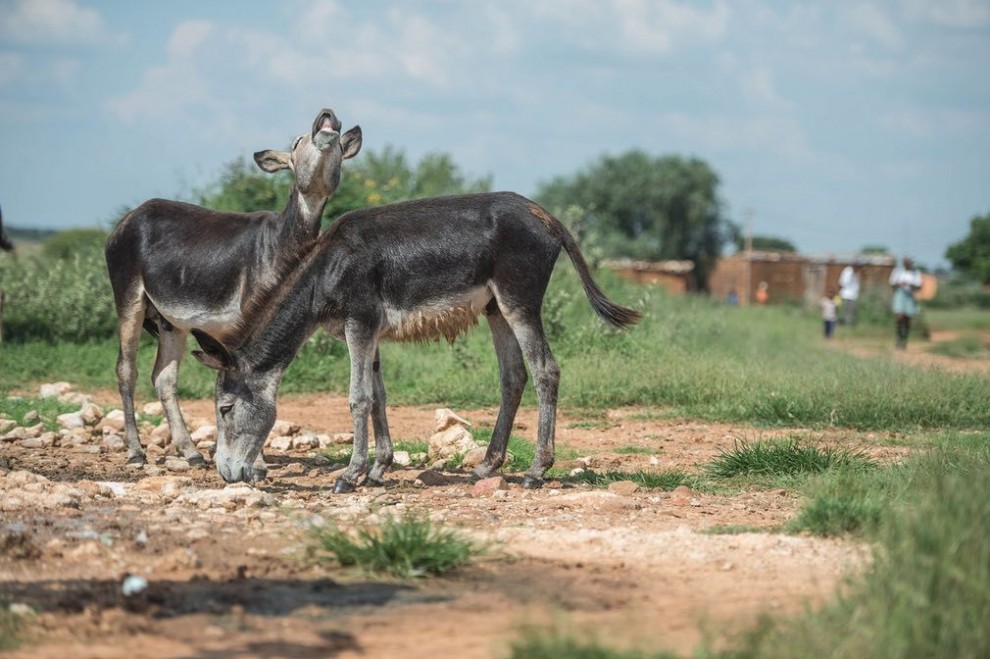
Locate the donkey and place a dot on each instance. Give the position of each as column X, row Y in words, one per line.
column 417, row 270
column 174, row 266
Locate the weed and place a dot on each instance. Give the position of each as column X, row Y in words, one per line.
column 782, row 457
column 659, row 480
column 407, row 546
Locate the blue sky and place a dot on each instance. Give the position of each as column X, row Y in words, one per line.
column 839, row 124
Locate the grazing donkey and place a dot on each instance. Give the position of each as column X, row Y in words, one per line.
column 174, row 266
column 411, row 271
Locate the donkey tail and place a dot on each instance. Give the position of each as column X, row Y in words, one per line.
column 610, row 312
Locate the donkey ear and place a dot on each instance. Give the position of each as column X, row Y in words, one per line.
column 350, row 142
column 272, row 161
column 213, row 355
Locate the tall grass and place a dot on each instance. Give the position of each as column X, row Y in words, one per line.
column 927, row 593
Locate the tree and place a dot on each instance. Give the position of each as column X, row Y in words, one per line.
column 971, row 255
column 648, row 207
column 766, row 243
column 874, row 249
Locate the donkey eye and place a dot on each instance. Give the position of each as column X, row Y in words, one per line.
column 224, row 409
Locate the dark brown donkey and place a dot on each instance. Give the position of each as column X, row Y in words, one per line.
column 411, row 271
column 174, row 266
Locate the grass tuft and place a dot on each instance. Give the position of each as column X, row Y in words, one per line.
column 407, row 546
column 654, row 480
column 555, row 643
column 782, row 458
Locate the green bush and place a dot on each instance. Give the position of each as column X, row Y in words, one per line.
column 57, row 299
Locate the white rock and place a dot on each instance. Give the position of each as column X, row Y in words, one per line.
column 343, row 438
column 54, row 389
column 6, row 425
column 401, row 459
column 160, row 435
column 91, row 413
column 31, row 417
column 450, row 442
column 282, row 428
column 207, row 432
column 133, row 584
column 445, row 418
column 305, row 441
column 281, row 443
column 173, row 463
column 114, row 419
column 34, row 431
column 474, row 457
column 32, row 442
column 325, row 440
column 114, row 443
column 153, row 409
column 70, row 420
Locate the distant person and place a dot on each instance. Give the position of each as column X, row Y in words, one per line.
column 762, row 293
column 5, row 244
column 849, row 292
column 905, row 281
column 828, row 312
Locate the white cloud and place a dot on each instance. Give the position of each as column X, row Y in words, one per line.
column 951, row 13
column 168, row 91
column 48, row 21
column 875, row 24
column 778, row 136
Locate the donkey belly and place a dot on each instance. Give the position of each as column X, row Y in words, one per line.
column 446, row 317
column 186, row 314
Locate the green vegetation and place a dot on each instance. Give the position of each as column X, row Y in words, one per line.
column 9, row 628
column 971, row 255
column 407, row 546
column 653, row 480
column 782, row 457
column 963, row 347
column 558, row 643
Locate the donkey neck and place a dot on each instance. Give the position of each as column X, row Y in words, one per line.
column 299, row 221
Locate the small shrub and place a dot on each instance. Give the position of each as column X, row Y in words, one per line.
column 654, row 480
column 408, row 546
column 555, row 643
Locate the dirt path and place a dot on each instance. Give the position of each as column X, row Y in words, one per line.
column 230, row 570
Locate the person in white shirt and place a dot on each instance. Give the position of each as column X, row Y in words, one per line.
column 905, row 281
column 849, row 292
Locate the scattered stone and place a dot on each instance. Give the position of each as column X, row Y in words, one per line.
column 153, row 409
column 91, row 414
column 474, row 457
column 6, row 425
column 449, row 443
column 231, row 497
column 401, row 459
column 112, row 419
column 207, row 433
column 177, row 464
column 623, row 488
column 445, row 418
column 133, row 584
column 17, row 543
column 343, row 438
column 282, row 443
column 54, row 389
column 683, row 496
column 209, row 447
column 31, row 416
column 70, row 420
column 159, row 436
column 282, row 428
column 20, row 609
column 305, row 441
column 114, row 443
column 32, row 442
column 654, row 461
column 488, row 486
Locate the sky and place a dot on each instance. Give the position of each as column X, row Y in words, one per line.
column 835, row 125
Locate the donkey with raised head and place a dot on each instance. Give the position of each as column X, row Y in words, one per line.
column 417, row 270
column 174, row 266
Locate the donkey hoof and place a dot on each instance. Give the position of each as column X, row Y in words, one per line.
column 371, row 481
column 196, row 460
column 136, row 460
column 343, row 486
column 532, row 483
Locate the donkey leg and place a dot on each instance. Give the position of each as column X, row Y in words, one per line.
column 379, row 421
column 512, row 380
column 362, row 349
column 130, row 335
column 546, row 376
column 165, row 377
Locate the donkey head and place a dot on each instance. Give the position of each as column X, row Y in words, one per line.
column 245, row 405
column 315, row 158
